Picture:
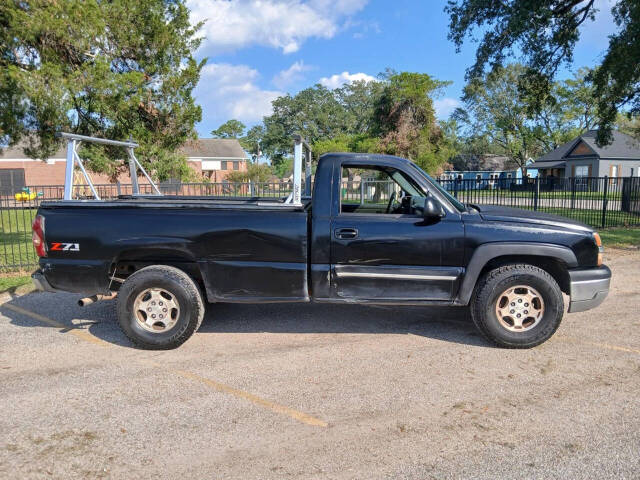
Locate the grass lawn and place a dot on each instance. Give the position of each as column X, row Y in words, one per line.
column 621, row 237
column 16, row 249
column 14, row 281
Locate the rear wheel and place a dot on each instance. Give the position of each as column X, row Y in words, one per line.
column 159, row 307
column 517, row 306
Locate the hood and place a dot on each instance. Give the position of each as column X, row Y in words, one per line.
column 505, row 214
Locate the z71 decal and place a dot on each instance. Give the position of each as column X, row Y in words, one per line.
column 65, row 247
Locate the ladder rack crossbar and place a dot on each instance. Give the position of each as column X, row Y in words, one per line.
column 73, row 159
column 104, row 141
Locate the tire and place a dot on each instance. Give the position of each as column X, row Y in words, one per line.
column 166, row 292
column 498, row 290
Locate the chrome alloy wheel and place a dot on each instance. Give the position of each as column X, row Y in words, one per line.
column 156, row 310
column 519, row 308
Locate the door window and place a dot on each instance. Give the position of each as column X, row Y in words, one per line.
column 384, row 190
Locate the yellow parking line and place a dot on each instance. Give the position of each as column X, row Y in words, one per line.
column 614, row 347
column 605, row 346
column 70, row 328
column 256, row 400
column 220, row 387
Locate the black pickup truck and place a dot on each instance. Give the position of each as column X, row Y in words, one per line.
column 405, row 241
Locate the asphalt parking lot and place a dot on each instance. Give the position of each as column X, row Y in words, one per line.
column 317, row 391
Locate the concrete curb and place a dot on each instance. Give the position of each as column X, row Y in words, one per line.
column 16, row 292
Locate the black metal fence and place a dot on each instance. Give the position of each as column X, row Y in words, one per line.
column 600, row 202
column 30, row 196
column 597, row 201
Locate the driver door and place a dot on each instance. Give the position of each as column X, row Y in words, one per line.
column 382, row 250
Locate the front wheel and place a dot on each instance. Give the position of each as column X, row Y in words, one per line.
column 159, row 307
column 517, row 306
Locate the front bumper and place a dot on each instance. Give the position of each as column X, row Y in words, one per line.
column 589, row 287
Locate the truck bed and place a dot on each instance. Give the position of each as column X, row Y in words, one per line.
column 241, row 250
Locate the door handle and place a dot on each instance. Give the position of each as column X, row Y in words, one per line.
column 346, row 233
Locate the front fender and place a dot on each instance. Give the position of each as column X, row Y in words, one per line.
column 483, row 254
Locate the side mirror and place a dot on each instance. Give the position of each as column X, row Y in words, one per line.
column 432, row 209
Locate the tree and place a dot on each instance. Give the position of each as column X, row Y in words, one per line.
column 320, row 115
column 283, row 168
column 465, row 141
column 405, row 121
column 347, row 143
column 252, row 141
column 629, row 124
column 229, row 129
column 493, row 109
column 569, row 110
column 259, row 173
column 497, row 114
column 394, row 115
column 544, row 33
column 359, row 99
column 617, row 80
column 110, row 69
column 315, row 113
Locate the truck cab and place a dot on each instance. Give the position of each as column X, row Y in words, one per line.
column 401, row 241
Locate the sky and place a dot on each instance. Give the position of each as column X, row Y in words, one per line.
column 258, row 50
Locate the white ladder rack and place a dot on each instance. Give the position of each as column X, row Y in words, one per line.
column 73, row 159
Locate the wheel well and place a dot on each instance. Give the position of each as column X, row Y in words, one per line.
column 554, row 267
column 129, row 262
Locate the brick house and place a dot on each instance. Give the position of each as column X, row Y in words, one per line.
column 212, row 158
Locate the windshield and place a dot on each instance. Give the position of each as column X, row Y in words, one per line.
column 454, row 201
column 407, row 184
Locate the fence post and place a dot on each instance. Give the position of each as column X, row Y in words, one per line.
column 604, row 201
column 573, row 193
column 362, row 188
column 536, row 194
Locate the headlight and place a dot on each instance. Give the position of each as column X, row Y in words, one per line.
column 598, row 241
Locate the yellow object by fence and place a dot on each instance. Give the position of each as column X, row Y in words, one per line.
column 25, row 196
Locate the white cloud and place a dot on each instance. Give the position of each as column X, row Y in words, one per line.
column 445, row 106
column 363, row 29
column 343, row 7
column 339, row 79
column 291, row 75
column 282, row 24
column 228, row 91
